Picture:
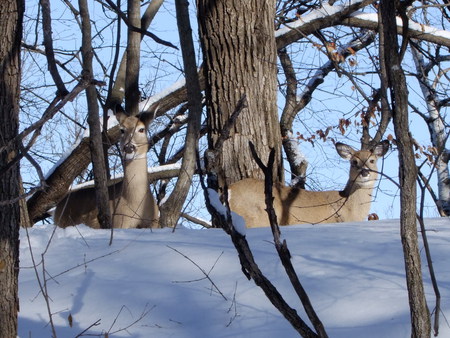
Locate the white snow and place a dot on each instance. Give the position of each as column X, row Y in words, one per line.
column 112, row 122
column 299, row 157
column 322, row 12
column 414, row 26
column 164, row 167
column 353, row 273
column 327, row 10
column 214, row 200
column 63, row 157
column 146, row 104
column 239, row 223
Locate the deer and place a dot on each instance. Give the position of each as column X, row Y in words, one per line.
column 299, row 206
column 131, row 203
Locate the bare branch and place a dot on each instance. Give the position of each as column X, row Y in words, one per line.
column 48, row 43
column 170, row 210
column 56, row 105
column 202, row 270
column 95, row 135
column 281, row 247
column 137, row 29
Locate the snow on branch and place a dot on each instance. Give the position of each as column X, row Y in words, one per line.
column 352, row 16
column 416, row 30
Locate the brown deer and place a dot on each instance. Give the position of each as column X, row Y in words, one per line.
column 296, row 206
column 131, row 202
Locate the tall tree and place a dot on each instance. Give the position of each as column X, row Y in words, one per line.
column 393, row 78
column 11, row 16
column 95, row 136
column 239, row 53
column 436, row 125
column 170, row 211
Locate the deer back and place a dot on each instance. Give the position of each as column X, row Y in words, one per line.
column 298, row 206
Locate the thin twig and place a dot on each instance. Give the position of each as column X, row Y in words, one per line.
column 202, row 270
column 136, row 29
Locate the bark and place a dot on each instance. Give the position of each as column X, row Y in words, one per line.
column 294, row 105
column 283, row 250
column 297, row 162
column 48, row 43
column 240, row 59
column 116, row 94
column 95, row 134
column 11, row 16
column 393, row 73
column 132, row 95
column 171, row 209
column 436, row 126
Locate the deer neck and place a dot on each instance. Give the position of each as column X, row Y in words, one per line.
column 135, row 178
column 358, row 198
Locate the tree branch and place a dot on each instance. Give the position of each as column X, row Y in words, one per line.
column 137, row 29
column 170, row 210
column 281, row 247
column 95, row 134
column 49, row 53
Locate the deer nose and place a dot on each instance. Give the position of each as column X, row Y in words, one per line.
column 129, row 148
column 365, row 172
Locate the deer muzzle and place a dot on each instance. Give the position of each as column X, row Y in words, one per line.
column 129, row 148
column 365, row 172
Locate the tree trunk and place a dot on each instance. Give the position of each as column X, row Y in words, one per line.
column 438, row 134
column 95, row 134
column 240, row 59
column 132, row 95
column 395, row 80
column 116, row 93
column 62, row 177
column 171, row 209
column 11, row 16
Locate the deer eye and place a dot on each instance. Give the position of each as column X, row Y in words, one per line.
column 372, row 161
column 122, row 130
column 354, row 163
column 141, row 130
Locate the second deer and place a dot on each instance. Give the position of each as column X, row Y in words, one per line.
column 131, row 202
column 296, row 206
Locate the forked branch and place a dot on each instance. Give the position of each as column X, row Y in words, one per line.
column 281, row 246
column 222, row 218
column 251, row 269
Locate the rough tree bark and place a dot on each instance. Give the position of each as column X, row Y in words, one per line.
column 132, row 94
column 11, row 16
column 436, row 126
column 240, row 59
column 393, row 79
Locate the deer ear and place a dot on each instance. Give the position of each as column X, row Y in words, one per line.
column 147, row 118
column 345, row 151
column 381, row 148
column 120, row 113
